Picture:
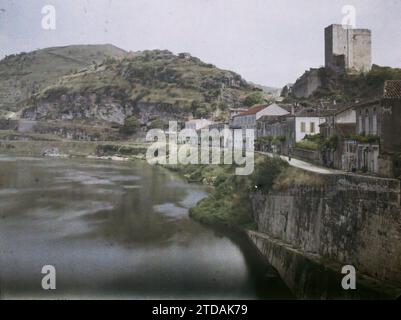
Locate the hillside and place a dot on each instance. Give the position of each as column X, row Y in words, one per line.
column 24, row 74
column 144, row 83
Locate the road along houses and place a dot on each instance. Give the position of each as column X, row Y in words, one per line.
column 361, row 137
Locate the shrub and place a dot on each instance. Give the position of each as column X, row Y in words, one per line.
column 307, row 145
column 157, row 124
column 330, row 143
column 266, row 172
column 366, row 138
column 131, row 126
column 254, row 98
column 55, row 92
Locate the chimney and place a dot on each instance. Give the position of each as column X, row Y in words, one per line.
column 292, row 109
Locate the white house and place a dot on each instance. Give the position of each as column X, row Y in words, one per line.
column 307, row 122
column 247, row 119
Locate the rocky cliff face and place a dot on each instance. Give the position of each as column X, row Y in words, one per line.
column 351, row 220
column 98, row 110
column 86, row 108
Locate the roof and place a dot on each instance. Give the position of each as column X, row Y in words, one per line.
column 392, row 89
column 342, row 109
column 312, row 112
column 366, row 103
column 196, row 120
column 289, row 107
column 253, row 110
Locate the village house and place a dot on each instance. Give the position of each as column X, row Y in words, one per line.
column 227, row 139
column 307, row 122
column 234, row 112
column 197, row 124
column 273, row 134
column 247, row 119
column 291, row 128
column 220, row 127
column 378, row 139
column 338, row 151
column 365, row 143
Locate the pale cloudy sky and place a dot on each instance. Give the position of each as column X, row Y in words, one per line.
column 270, row 42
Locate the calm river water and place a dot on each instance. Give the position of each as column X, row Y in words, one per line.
column 117, row 230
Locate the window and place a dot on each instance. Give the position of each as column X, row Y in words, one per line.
column 374, row 127
column 303, row 127
column 312, row 127
column 360, row 125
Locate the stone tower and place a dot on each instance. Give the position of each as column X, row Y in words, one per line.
column 348, row 49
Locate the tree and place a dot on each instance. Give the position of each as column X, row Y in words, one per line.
column 157, row 124
column 254, row 98
column 266, row 172
column 131, row 126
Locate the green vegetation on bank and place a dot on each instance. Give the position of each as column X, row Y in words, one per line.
column 229, row 202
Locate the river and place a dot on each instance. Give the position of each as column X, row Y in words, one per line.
column 117, row 230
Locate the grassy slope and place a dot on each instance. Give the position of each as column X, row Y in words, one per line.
column 25, row 73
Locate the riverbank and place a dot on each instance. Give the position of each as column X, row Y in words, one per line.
column 227, row 203
column 48, row 145
column 230, row 200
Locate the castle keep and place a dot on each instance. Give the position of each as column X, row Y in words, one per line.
column 348, row 49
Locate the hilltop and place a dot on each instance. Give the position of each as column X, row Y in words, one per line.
column 347, row 87
column 24, row 74
column 351, row 87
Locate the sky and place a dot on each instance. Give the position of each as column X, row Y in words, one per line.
column 269, row 42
